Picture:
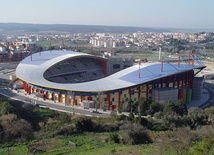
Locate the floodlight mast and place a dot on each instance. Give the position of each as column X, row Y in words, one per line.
column 139, row 62
column 160, row 53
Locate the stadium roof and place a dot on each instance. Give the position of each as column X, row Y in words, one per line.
column 32, row 72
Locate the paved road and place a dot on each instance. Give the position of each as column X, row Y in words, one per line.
column 56, row 106
column 210, row 101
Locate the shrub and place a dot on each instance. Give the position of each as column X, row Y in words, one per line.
column 65, row 130
column 159, row 126
column 64, row 117
column 114, row 137
column 133, row 137
column 135, row 134
column 84, row 124
column 108, row 127
column 121, row 117
column 131, row 116
column 172, row 121
column 158, row 115
column 205, row 146
column 141, row 120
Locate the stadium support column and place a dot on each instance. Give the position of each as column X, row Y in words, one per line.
column 147, row 90
column 52, row 95
column 178, row 80
column 138, row 88
column 161, row 80
column 191, row 76
column 185, row 79
column 130, row 93
column 29, row 90
column 58, row 97
column 154, row 85
column 119, row 102
column 74, row 101
column 173, row 81
column 66, row 99
column 108, row 99
column 24, row 86
column 167, row 81
column 182, row 80
column 189, row 79
column 81, row 97
column 46, row 95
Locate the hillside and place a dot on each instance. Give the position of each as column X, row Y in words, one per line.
column 40, row 28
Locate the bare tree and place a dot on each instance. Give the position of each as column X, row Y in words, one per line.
column 15, row 129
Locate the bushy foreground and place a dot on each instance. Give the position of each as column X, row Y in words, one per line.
column 169, row 131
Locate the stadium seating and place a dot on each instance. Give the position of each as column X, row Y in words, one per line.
column 75, row 71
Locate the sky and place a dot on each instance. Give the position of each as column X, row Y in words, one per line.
column 139, row 13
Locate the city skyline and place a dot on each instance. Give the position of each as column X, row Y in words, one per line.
column 138, row 13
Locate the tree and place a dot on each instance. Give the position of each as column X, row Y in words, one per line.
column 180, row 140
column 5, row 108
column 125, row 106
column 135, row 107
column 181, row 108
column 130, row 104
column 143, row 106
column 169, row 108
column 197, row 117
column 209, row 111
column 172, row 121
column 153, row 108
column 15, row 129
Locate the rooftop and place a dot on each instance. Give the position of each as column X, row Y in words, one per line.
column 32, row 72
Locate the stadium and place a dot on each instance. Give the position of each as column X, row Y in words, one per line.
column 71, row 77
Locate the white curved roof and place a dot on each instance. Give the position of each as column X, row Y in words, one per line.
column 32, row 72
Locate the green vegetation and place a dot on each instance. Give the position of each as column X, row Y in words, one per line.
column 170, row 129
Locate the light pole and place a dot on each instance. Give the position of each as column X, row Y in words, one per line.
column 71, row 97
column 99, row 99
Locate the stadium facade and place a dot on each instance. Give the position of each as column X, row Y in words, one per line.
column 70, row 77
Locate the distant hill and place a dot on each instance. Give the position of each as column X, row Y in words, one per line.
column 64, row 28
column 40, row 28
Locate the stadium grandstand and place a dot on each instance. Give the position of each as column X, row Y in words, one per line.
column 70, row 77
